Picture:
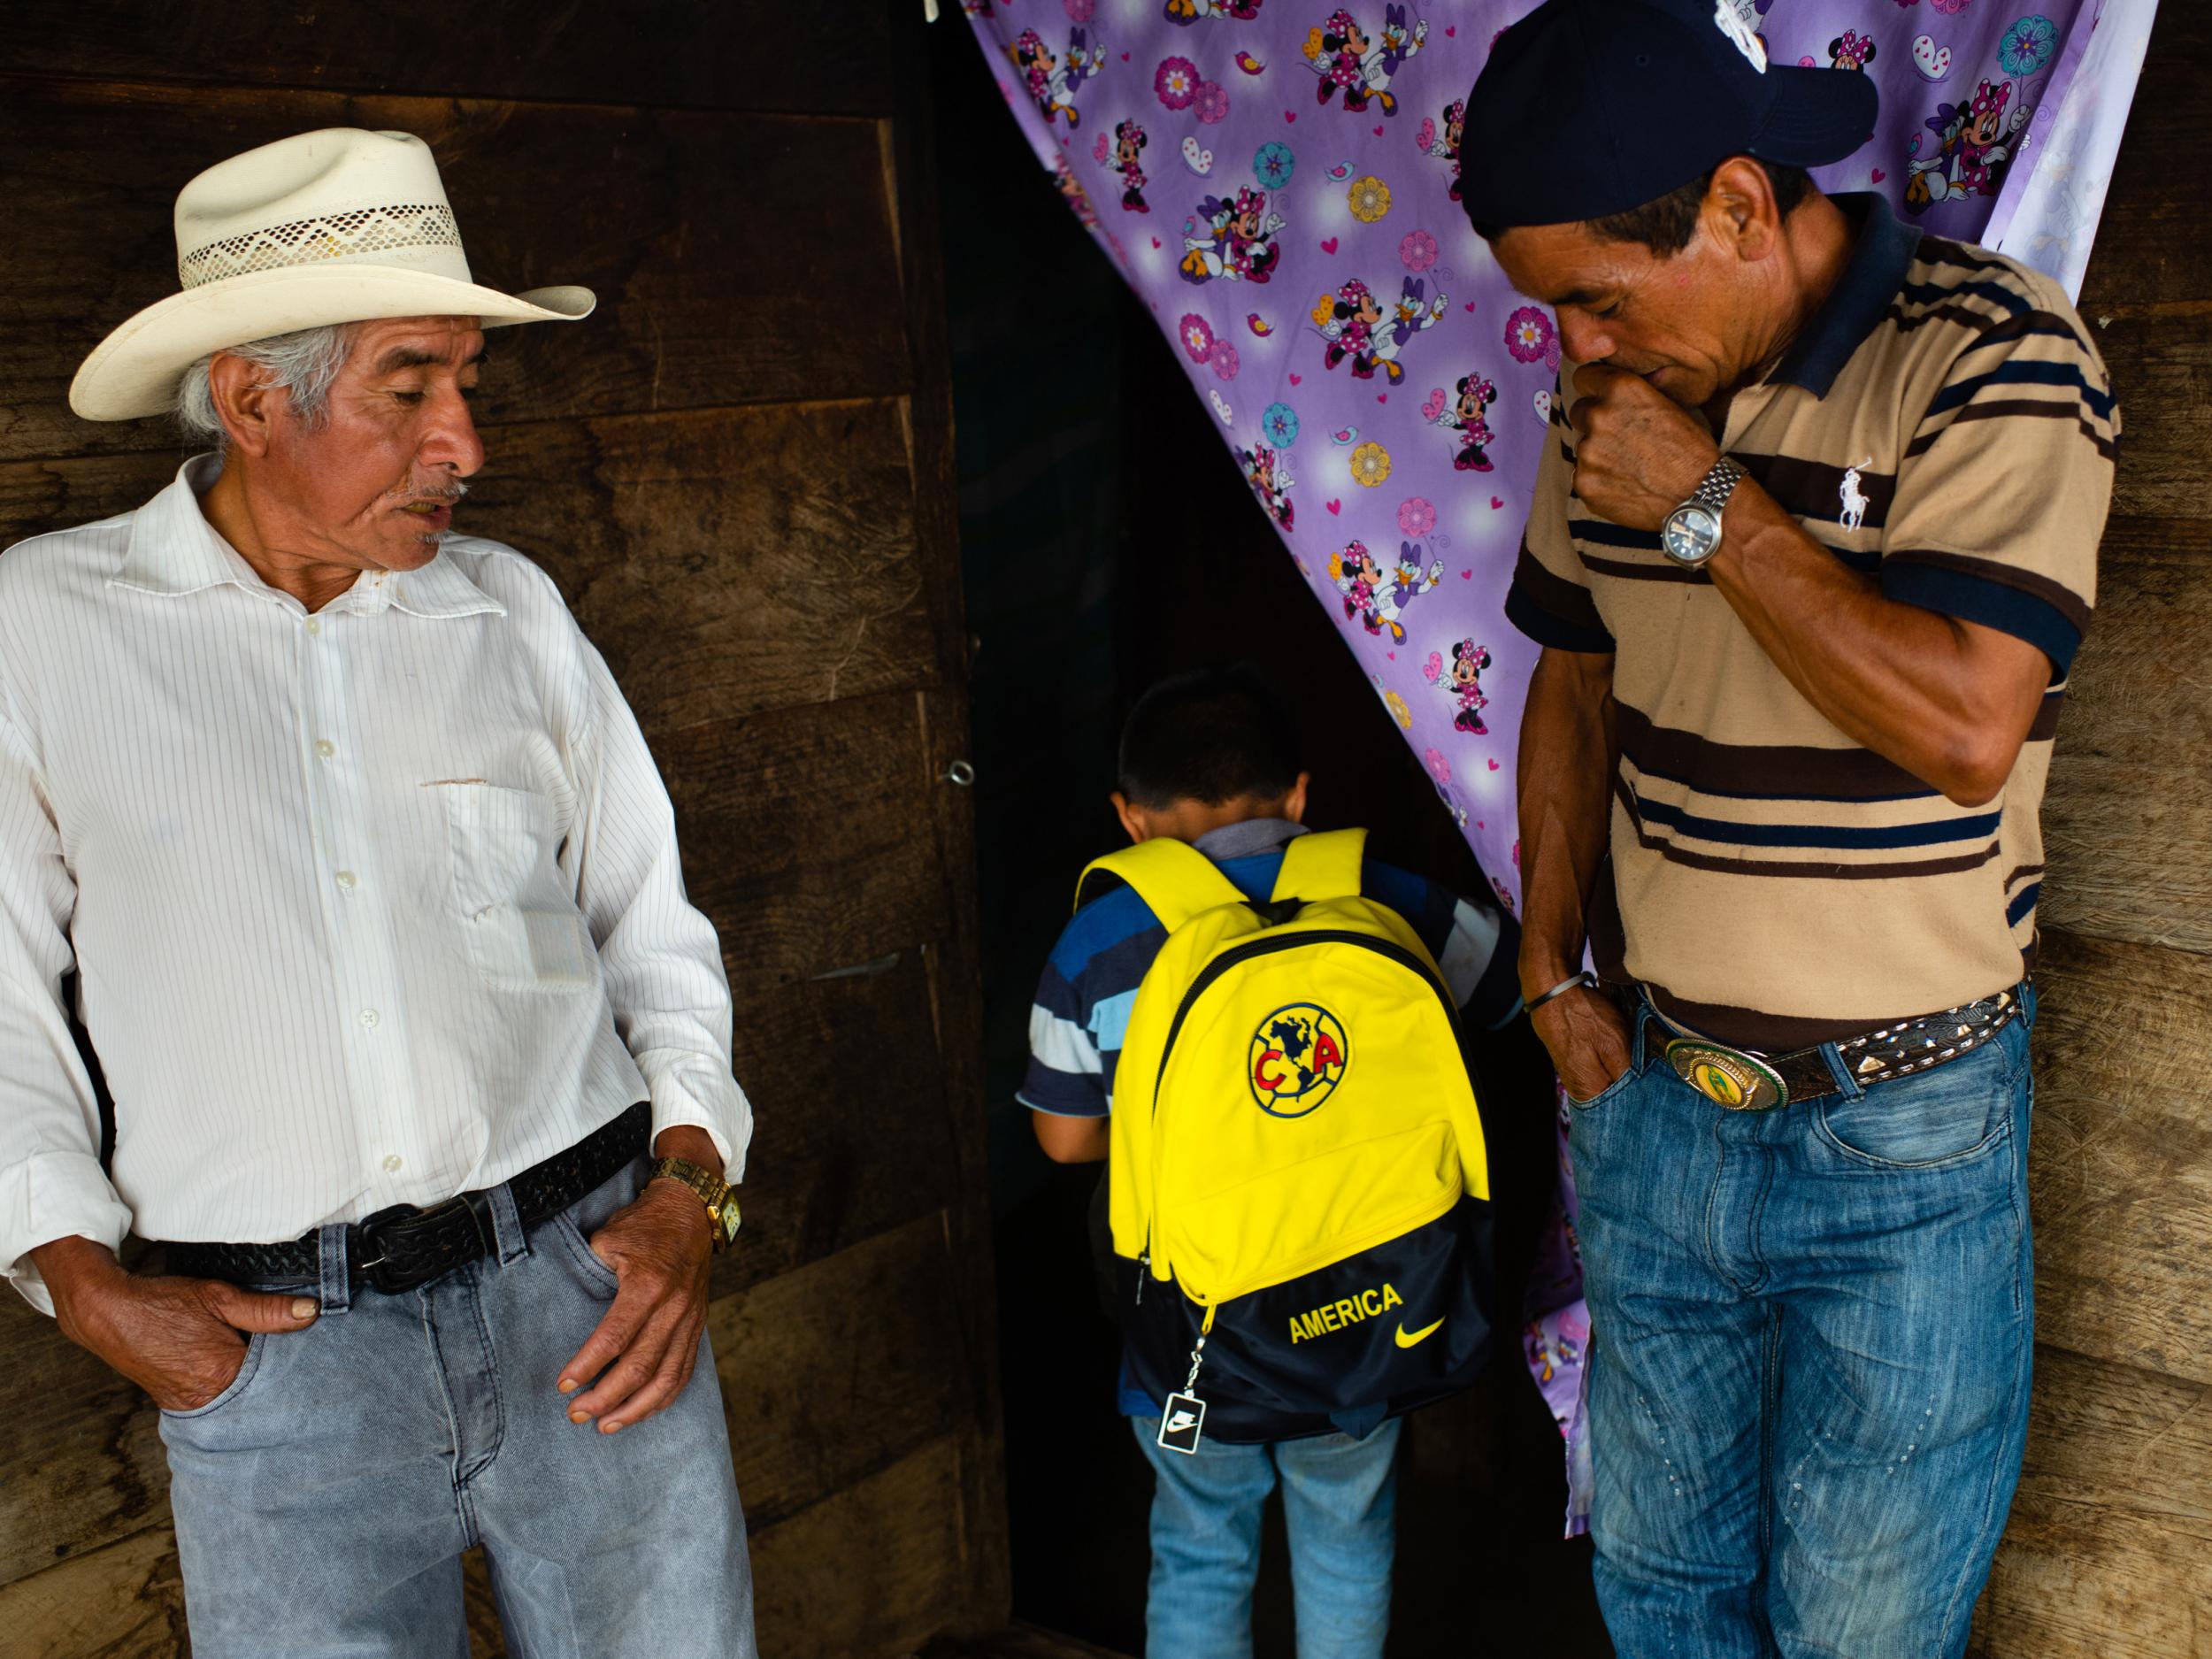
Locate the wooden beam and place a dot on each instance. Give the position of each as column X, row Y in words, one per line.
column 2121, row 1163
column 2160, row 363
column 122, row 1602
column 835, row 1371
column 663, row 214
column 739, row 54
column 874, row 1572
column 2150, row 238
column 2109, row 1554
column 2127, row 818
column 805, row 837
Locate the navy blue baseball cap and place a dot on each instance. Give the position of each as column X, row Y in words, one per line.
column 1590, row 107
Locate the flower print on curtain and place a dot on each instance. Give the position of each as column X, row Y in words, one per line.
column 1279, row 179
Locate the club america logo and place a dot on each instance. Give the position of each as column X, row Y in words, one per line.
column 1298, row 1057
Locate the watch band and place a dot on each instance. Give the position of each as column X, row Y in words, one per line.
column 710, row 1189
column 1714, row 489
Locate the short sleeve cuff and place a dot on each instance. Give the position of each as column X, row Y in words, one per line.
column 1062, row 1095
column 55, row 1196
column 1549, row 628
column 2048, row 617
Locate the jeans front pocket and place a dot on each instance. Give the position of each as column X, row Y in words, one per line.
column 232, row 1389
column 596, row 1271
column 517, row 909
column 1603, row 1094
column 1957, row 1111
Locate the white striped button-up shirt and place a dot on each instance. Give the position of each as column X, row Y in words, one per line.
column 365, row 907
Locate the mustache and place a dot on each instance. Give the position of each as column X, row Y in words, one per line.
column 449, row 490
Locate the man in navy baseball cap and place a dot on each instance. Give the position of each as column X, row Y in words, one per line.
column 1812, row 543
column 1640, row 96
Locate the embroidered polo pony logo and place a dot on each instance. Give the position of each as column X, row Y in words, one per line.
column 1854, row 513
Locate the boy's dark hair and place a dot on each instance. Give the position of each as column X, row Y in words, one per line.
column 1210, row 734
column 1666, row 224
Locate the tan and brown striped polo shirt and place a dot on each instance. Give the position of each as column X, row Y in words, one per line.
column 1943, row 422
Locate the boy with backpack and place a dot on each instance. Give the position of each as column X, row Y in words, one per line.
column 1298, row 1182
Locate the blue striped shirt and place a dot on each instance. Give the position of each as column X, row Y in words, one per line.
column 1090, row 982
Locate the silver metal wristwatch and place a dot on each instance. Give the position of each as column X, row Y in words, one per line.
column 1692, row 533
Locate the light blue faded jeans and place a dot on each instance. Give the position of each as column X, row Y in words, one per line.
column 324, row 1499
column 1339, row 1507
column 1811, row 1334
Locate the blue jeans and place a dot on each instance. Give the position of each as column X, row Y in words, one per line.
column 324, row 1499
column 1812, row 1332
column 1339, row 1500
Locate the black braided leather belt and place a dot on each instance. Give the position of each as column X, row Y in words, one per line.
column 398, row 1249
column 1742, row 1081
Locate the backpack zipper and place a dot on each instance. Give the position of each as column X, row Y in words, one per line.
column 1261, row 945
column 1272, row 940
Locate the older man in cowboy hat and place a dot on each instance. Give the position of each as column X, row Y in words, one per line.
column 372, row 896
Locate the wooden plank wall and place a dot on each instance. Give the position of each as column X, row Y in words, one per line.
column 740, row 472
column 2109, row 1552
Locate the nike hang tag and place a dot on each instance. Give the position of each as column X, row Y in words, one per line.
column 1181, row 1424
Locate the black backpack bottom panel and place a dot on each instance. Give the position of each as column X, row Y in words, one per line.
column 1343, row 1348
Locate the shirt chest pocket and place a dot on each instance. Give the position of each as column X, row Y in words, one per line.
column 522, row 927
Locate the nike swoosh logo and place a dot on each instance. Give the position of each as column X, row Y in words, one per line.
column 1405, row 1339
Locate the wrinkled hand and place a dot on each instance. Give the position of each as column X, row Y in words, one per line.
column 181, row 1339
column 1588, row 1041
column 643, row 1352
column 1639, row 454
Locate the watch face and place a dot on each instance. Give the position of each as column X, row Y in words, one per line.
column 1690, row 535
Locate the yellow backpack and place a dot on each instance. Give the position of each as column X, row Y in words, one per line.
column 1298, row 1186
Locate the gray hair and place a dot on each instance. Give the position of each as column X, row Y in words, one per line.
column 304, row 365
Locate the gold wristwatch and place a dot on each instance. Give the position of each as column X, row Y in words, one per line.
column 717, row 1194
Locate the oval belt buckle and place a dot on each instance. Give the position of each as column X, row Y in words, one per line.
column 1727, row 1078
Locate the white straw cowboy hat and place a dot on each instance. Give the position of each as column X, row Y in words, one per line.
column 335, row 226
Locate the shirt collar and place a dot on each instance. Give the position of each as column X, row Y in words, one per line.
column 175, row 550
column 1861, row 298
column 1247, row 837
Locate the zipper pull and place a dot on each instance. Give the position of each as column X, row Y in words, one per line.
column 1144, row 1272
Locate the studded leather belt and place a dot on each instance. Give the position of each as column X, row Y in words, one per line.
column 398, row 1249
column 1742, row 1081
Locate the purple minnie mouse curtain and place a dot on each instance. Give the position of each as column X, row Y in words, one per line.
column 1279, row 182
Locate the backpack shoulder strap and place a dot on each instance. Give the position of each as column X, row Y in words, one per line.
column 1172, row 877
column 1324, row 865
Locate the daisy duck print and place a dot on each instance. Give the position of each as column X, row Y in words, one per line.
column 1232, row 239
column 1052, row 83
column 1376, row 596
column 1358, row 326
column 1973, row 142
column 1189, row 11
column 1349, row 58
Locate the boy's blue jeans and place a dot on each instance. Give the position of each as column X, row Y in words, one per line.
column 1811, row 1332
column 324, row 1499
column 1339, row 1495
